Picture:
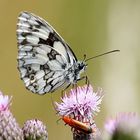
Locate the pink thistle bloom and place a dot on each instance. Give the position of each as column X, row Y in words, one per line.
column 81, row 102
column 4, row 102
column 35, row 130
column 128, row 123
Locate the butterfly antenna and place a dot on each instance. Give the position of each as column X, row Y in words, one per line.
column 84, row 57
column 101, row 55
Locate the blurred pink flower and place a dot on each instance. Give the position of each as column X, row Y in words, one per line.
column 4, row 102
column 81, row 102
column 9, row 128
column 124, row 122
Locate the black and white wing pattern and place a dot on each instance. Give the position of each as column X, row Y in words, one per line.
column 43, row 56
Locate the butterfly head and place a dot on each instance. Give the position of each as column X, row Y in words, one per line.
column 81, row 66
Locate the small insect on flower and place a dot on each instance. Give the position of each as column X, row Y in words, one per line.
column 77, row 125
column 45, row 60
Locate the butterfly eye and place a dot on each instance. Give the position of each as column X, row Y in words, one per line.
column 81, row 66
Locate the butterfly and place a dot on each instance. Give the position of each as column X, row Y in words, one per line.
column 45, row 60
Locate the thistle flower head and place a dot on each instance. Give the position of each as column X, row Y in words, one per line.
column 35, row 130
column 124, row 123
column 4, row 102
column 82, row 101
column 9, row 128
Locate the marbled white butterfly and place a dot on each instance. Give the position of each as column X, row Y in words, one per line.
column 45, row 60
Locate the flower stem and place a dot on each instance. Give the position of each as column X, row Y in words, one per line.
column 83, row 136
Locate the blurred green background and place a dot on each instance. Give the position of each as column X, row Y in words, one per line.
column 90, row 27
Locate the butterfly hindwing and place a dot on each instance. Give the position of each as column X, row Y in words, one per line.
column 43, row 55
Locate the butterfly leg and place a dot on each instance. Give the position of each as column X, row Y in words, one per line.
column 83, row 77
column 63, row 90
column 86, row 81
column 74, row 86
column 76, row 91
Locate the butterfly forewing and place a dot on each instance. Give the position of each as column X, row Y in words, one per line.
column 43, row 56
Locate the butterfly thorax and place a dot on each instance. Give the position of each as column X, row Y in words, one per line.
column 74, row 72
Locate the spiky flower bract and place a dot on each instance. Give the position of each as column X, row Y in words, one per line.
column 9, row 128
column 34, row 130
column 124, row 126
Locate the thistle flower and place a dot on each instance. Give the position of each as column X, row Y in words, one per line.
column 4, row 102
column 9, row 128
column 34, row 130
column 124, row 126
column 81, row 104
